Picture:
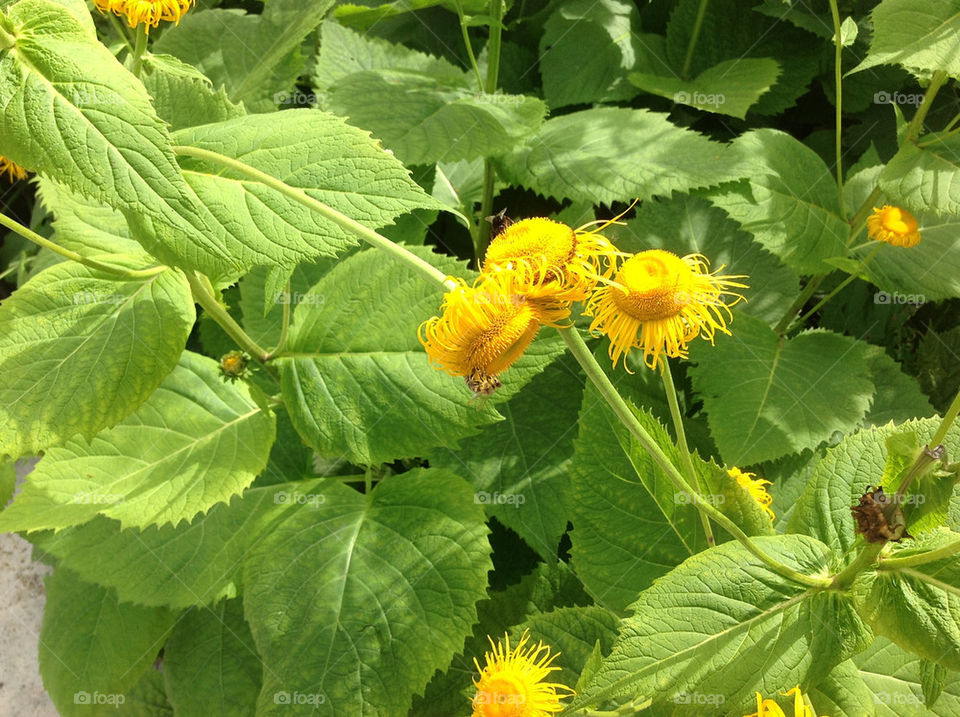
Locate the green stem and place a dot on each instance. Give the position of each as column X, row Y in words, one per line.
column 858, row 220
column 620, row 408
column 838, row 78
column 694, row 36
column 139, row 48
column 808, row 291
column 329, row 213
column 31, row 235
column 118, row 28
column 840, row 287
column 939, row 138
column 489, row 174
column 218, row 313
column 916, row 124
column 865, row 558
column 948, row 418
column 671, row 391
column 912, row 561
column 285, row 325
column 467, row 44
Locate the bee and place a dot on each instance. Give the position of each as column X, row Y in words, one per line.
column 482, row 384
column 499, row 223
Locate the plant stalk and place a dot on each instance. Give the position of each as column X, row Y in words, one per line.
column 838, row 79
column 489, row 174
column 694, row 37
column 139, row 48
column 219, row 314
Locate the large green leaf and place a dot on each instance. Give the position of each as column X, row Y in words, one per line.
column 893, row 676
column 925, row 179
column 184, row 96
column 195, row 563
column 898, row 396
column 767, row 396
column 789, row 203
column 210, row 663
column 81, row 348
column 354, row 606
column 92, row 647
column 521, row 466
column 921, row 37
column 196, row 442
column 843, row 693
column 616, row 154
column 70, row 111
column 587, row 49
column 87, row 226
column 358, row 382
column 723, row 626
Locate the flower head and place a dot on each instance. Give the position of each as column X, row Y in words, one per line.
column 756, row 487
column 659, row 302
column 893, row 225
column 769, row 708
column 511, row 684
column 149, row 12
column 12, row 170
column 551, row 256
column 483, row 329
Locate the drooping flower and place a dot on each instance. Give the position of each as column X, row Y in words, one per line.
column 552, row 256
column 769, row 708
column 149, row 12
column 756, row 487
column 484, row 328
column 659, row 302
column 13, row 170
column 511, row 684
column 893, row 225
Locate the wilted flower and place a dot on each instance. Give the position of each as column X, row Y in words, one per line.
column 756, row 487
column 893, row 225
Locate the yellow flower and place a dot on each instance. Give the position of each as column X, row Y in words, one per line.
column 893, row 225
column 659, row 302
column 552, row 256
column 484, row 328
column 756, row 487
column 12, row 170
column 511, row 683
column 769, row 708
column 150, row 12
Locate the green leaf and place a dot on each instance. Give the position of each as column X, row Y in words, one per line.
column 520, row 466
column 586, row 50
column 195, row 563
column 357, row 604
column 925, row 179
column 254, row 56
column 573, row 632
column 766, row 397
column 184, row 96
column 689, row 225
column 893, row 676
column 730, row 88
column 210, row 663
column 81, row 348
column 92, row 647
column 919, row 38
column 8, row 481
column 196, row 442
column 358, row 383
column 843, row 693
column 842, row 476
column 147, row 698
column 933, row 679
column 687, row 632
column 898, row 397
column 848, row 32
column 789, row 203
column 630, row 154
column 939, row 370
column 71, row 112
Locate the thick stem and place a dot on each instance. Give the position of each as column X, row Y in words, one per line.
column 489, row 174
column 671, row 390
column 865, row 558
column 620, row 408
column 916, row 124
column 139, row 48
column 219, row 314
column 838, row 78
column 341, row 220
column 31, row 235
column 694, row 36
column 948, row 418
column 798, row 303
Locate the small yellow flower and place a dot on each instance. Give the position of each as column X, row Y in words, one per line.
column 659, row 302
column 13, row 170
column 769, row 708
column 511, row 683
column 756, row 487
column 484, row 328
column 150, row 12
column 893, row 225
column 552, row 256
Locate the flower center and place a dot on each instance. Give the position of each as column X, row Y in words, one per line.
column 899, row 222
column 660, row 285
column 538, row 238
column 501, row 696
column 507, row 335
